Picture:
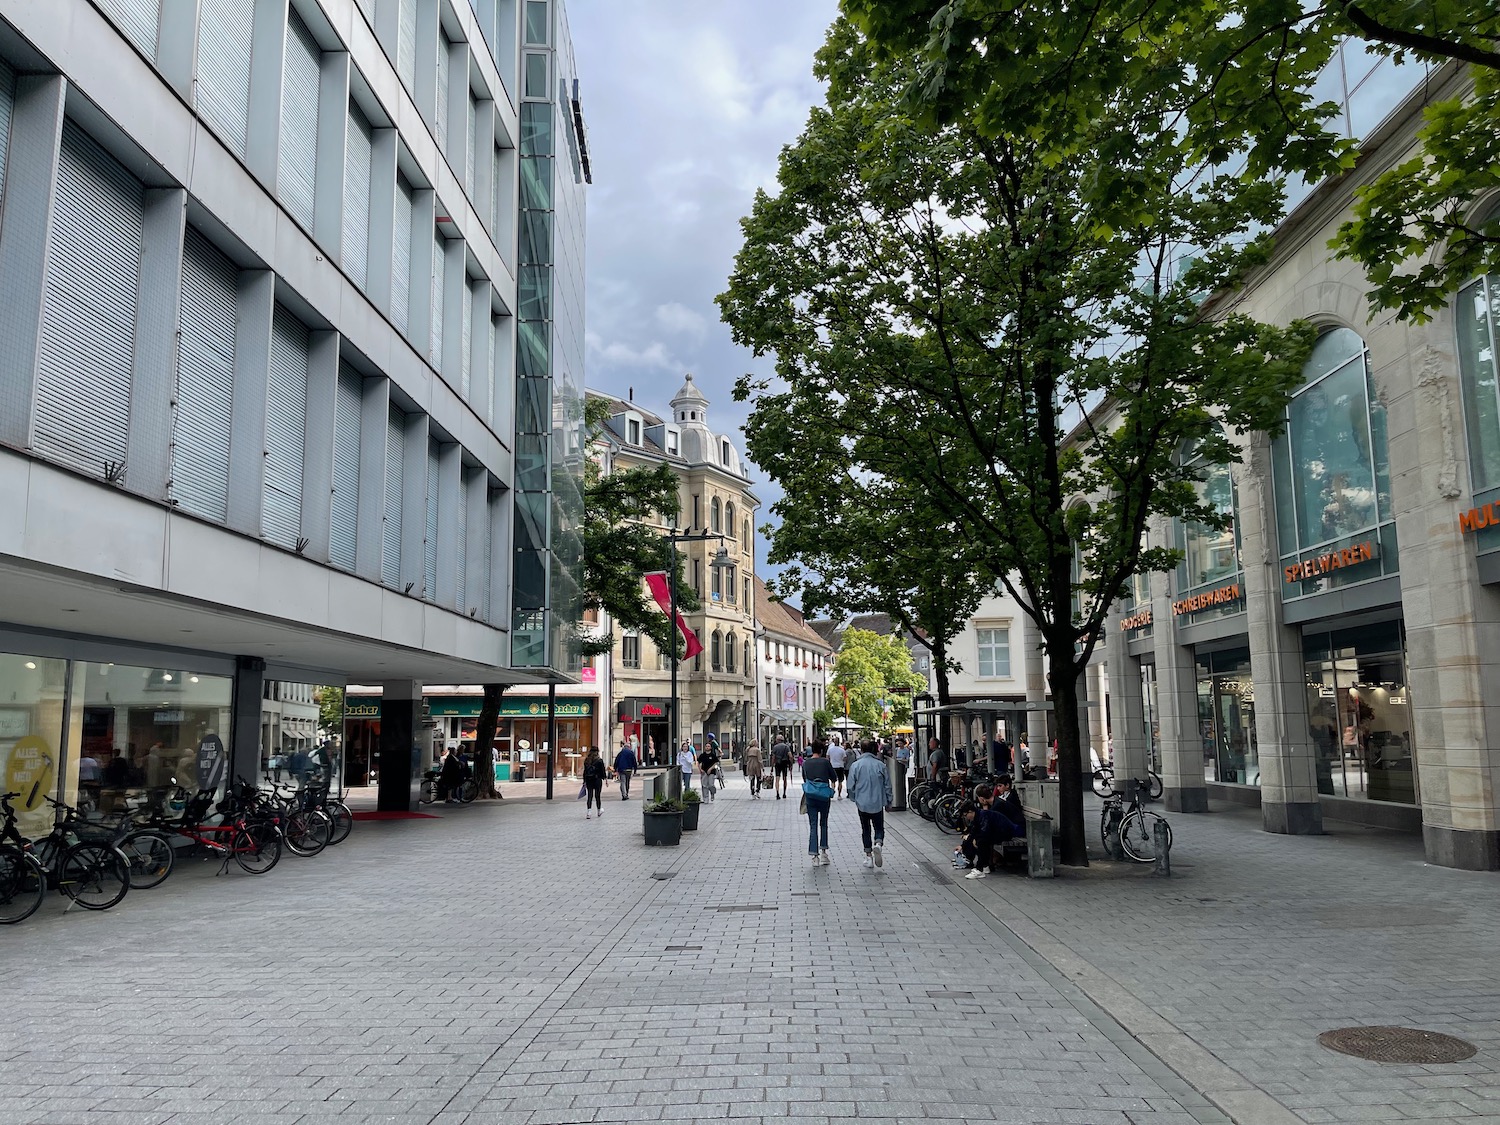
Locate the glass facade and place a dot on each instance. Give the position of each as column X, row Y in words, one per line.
column 1332, row 474
column 1226, row 717
column 1359, row 715
column 1209, row 578
column 1477, row 312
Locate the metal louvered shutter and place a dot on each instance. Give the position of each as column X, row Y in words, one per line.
column 286, row 422
column 89, row 309
column 487, row 392
column 7, row 107
column 343, row 516
column 435, row 345
column 401, row 268
column 137, row 19
column 205, row 380
column 486, row 549
column 471, row 142
column 406, row 45
column 429, row 543
column 297, row 170
column 444, row 74
column 395, row 466
column 468, row 337
column 461, row 567
column 357, row 197
column 225, row 32
column 496, row 195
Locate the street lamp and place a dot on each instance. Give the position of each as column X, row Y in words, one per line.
column 720, row 561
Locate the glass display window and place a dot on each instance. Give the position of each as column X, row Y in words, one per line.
column 1477, row 312
column 1226, row 717
column 1359, row 714
column 33, row 702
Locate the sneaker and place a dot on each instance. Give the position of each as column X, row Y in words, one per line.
column 588, row 815
column 869, row 862
column 977, row 873
column 817, row 861
column 879, row 853
column 825, row 857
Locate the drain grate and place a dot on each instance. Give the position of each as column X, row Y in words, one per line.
column 946, row 994
column 682, row 948
column 663, row 874
column 1397, row 1045
column 937, row 873
column 739, row 909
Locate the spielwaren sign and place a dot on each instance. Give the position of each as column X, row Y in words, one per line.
column 1220, row 596
column 1320, row 565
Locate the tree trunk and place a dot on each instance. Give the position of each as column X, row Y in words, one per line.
column 940, row 666
column 484, row 742
column 1073, row 844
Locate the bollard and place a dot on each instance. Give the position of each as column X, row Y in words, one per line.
column 1039, row 847
column 1163, row 847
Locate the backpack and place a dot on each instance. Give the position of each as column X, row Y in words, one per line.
column 781, row 754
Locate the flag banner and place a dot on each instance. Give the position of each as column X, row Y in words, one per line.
column 657, row 582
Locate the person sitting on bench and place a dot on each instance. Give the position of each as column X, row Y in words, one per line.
column 990, row 828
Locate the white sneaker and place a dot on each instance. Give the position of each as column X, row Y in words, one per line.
column 825, row 857
column 817, row 861
column 869, row 862
column 879, row 853
column 588, row 815
column 977, row 873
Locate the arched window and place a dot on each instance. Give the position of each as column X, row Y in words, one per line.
column 715, row 515
column 729, row 515
column 1333, row 481
column 716, row 652
column 731, row 642
column 1477, row 311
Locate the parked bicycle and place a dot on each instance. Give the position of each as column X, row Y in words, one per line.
column 94, row 874
column 1104, row 782
column 253, row 843
column 464, row 792
column 1135, row 824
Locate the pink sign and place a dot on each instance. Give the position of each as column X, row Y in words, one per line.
column 587, row 675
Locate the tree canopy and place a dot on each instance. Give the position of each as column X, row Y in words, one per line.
column 869, row 665
column 947, row 305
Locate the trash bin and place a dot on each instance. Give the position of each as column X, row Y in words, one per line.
column 520, row 772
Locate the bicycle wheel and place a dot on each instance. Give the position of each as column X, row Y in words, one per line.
column 1155, row 786
column 428, row 792
column 151, row 858
column 343, row 821
column 1104, row 782
column 256, row 848
column 469, row 790
column 1138, row 835
column 23, row 885
column 307, row 831
column 95, row 876
column 945, row 813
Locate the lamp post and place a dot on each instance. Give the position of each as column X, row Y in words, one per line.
column 720, row 561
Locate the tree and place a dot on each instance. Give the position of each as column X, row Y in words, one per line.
column 949, row 308
column 330, row 702
column 1252, row 65
column 868, row 666
column 893, row 553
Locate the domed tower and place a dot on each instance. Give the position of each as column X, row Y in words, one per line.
column 689, row 406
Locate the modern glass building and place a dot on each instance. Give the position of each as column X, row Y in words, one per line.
column 291, row 332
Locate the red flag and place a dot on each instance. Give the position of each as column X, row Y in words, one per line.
column 657, row 581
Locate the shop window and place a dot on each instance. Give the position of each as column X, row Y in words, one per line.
column 994, row 651
column 1359, row 713
column 1211, row 556
column 1477, row 311
column 290, row 746
column 630, row 650
column 1332, row 473
column 1226, row 717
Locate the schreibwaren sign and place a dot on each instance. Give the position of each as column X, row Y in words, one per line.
column 1319, row 565
column 1220, row 596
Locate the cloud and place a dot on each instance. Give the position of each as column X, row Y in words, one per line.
column 680, row 320
column 618, row 354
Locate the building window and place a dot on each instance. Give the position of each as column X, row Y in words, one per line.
column 672, row 442
column 716, row 651
column 729, row 583
column 724, row 452
column 630, row 650
column 697, row 511
column 745, row 536
column 718, row 591
column 634, row 430
column 729, row 516
column 1478, row 315
column 994, row 651
column 770, row 699
column 768, row 650
column 716, row 522
column 747, row 595
column 730, row 643
column 698, row 577
column 747, row 658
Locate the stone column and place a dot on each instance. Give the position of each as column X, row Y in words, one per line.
column 400, row 757
column 1127, row 716
column 1288, row 758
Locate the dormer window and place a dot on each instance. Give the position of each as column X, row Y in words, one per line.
column 634, row 430
column 724, row 452
column 672, row 441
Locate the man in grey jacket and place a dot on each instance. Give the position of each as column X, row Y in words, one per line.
column 870, row 790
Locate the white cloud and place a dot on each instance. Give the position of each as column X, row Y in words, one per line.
column 616, row 353
column 680, row 320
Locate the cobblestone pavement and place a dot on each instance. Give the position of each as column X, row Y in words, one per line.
column 516, row 963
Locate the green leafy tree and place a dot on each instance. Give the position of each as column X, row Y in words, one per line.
column 330, row 708
column 947, row 306
column 1247, row 69
column 868, row 666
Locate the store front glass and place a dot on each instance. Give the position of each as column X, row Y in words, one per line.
column 1359, row 715
column 1226, row 717
column 1151, row 716
column 1209, row 578
column 33, row 700
column 1477, row 311
column 292, row 750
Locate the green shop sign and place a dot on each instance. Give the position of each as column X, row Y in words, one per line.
column 467, row 707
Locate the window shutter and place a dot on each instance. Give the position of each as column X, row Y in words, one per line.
column 468, row 338
column 401, row 268
column 89, row 309
column 471, row 148
column 343, row 519
column 286, row 422
column 486, row 548
column 357, row 157
column 461, row 567
column 406, row 45
column 395, row 466
column 444, row 69
column 435, row 344
column 205, row 380
column 225, row 31
column 137, row 20
column 7, row 107
column 429, row 542
column 297, row 170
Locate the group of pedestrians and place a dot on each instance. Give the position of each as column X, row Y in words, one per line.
column 869, row 785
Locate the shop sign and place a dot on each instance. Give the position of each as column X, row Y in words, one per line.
column 210, row 761
column 1221, row 596
column 361, row 708
column 1136, row 621
column 1477, row 519
column 167, row 718
column 1333, row 560
column 14, row 722
column 29, row 771
column 650, row 711
column 789, row 693
column 521, row 707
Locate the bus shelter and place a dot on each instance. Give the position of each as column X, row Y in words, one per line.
column 985, row 721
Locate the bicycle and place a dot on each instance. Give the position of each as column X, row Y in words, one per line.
column 464, row 792
column 1104, row 782
column 95, row 875
column 1135, row 824
column 254, row 844
column 23, row 880
column 305, row 831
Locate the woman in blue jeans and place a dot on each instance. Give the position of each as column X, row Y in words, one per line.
column 817, row 788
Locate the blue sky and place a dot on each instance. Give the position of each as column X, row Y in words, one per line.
column 688, row 105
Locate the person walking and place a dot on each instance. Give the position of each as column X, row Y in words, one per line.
column 752, row 767
column 625, row 765
column 593, row 781
column 817, row 792
column 685, row 763
column 708, row 762
column 837, row 758
column 870, row 790
column 781, row 762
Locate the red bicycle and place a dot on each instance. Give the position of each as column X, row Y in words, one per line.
column 253, row 844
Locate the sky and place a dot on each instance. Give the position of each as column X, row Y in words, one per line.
column 687, row 105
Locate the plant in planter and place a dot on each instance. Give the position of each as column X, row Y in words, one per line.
column 692, row 801
column 663, row 821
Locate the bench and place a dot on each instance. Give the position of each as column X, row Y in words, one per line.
column 1035, row 846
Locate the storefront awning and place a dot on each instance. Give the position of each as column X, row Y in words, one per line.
column 780, row 717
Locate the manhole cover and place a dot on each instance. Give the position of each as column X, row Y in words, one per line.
column 1397, row 1045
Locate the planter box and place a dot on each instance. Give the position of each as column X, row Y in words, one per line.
column 663, row 829
column 690, row 816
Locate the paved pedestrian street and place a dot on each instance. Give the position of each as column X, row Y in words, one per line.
column 517, row 963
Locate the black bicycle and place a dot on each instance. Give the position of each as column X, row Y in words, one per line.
column 93, row 873
column 1135, row 824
